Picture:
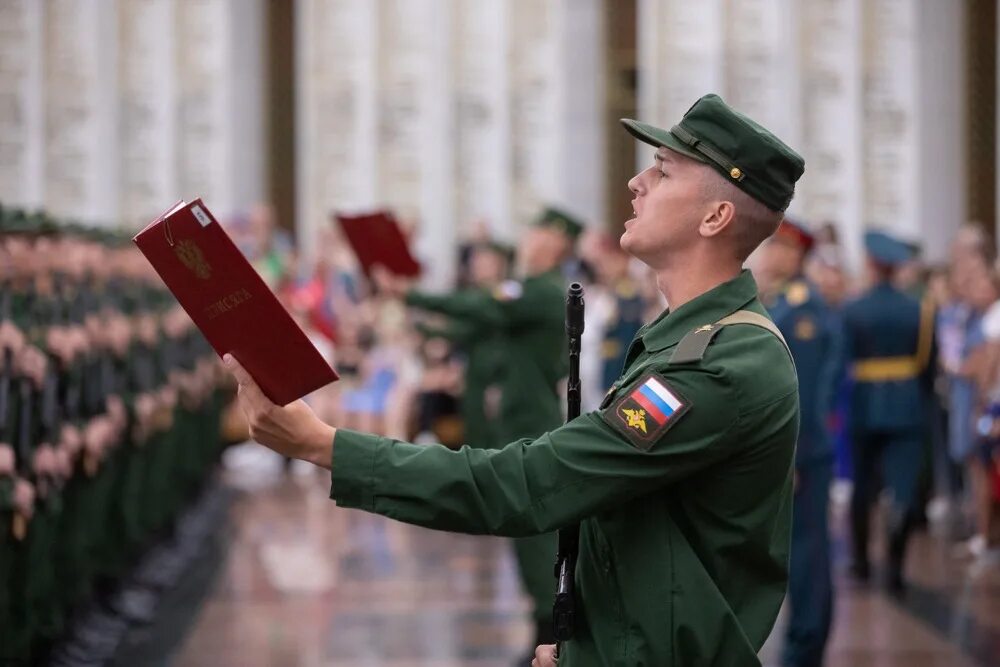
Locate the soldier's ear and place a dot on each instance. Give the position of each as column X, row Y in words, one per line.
column 717, row 218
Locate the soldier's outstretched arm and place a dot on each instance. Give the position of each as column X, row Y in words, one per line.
column 593, row 463
column 473, row 306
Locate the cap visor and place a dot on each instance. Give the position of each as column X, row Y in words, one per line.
column 655, row 136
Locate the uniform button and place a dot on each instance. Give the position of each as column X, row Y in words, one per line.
column 735, row 172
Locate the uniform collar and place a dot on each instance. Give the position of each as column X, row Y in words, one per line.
column 708, row 308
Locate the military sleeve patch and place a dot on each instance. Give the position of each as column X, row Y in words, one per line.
column 646, row 410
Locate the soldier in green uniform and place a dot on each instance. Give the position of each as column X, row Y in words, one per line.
column 528, row 315
column 683, row 478
column 483, row 345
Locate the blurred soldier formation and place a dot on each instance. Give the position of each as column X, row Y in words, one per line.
column 109, row 413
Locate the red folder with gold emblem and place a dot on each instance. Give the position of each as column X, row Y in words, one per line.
column 377, row 239
column 230, row 303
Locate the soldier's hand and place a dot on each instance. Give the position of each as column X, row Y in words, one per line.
column 44, row 460
column 10, row 337
column 70, row 439
column 24, row 498
column 6, row 459
column 293, row 430
column 545, row 656
column 389, row 283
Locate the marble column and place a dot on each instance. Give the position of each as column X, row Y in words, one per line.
column 337, row 121
column 22, row 126
column 415, row 173
column 831, row 188
column 533, row 96
column 482, row 150
column 146, row 113
column 81, row 110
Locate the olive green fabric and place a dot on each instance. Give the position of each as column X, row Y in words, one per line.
column 684, row 544
column 484, row 351
column 529, row 319
column 745, row 153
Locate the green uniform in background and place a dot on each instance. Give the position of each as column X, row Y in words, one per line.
column 484, row 357
column 530, row 318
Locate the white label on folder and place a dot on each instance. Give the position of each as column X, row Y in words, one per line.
column 201, row 216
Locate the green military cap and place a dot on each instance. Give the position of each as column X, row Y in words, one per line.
column 745, row 153
column 559, row 219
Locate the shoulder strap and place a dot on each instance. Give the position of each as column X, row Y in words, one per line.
column 692, row 347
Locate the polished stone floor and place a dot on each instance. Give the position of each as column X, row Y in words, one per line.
column 308, row 584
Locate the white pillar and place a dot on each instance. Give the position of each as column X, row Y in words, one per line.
column 891, row 166
column 681, row 58
column 218, row 100
column 336, row 114
column 579, row 108
column 941, row 120
column 81, row 110
column 533, row 49
column 147, row 173
column 245, row 73
column 831, row 190
column 22, row 128
column 482, row 159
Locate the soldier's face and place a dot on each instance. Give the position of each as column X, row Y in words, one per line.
column 487, row 267
column 669, row 204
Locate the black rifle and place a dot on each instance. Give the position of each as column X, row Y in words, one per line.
column 564, row 607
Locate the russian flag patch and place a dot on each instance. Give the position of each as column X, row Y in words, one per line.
column 646, row 411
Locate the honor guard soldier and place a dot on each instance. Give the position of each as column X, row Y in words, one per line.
column 814, row 339
column 682, row 480
column 888, row 341
column 529, row 316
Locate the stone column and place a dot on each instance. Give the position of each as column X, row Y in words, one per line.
column 533, row 113
column 146, row 125
column 336, row 135
column 22, row 127
column 415, row 173
column 482, row 150
column 81, row 110
column 831, row 188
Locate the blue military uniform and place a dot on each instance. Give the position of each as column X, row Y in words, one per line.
column 888, row 344
column 813, row 337
column 623, row 323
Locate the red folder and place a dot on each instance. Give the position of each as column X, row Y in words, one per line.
column 230, row 302
column 377, row 238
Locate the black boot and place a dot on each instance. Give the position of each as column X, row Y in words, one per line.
column 899, row 535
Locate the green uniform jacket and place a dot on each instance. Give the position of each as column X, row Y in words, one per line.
column 484, row 350
column 685, row 528
column 530, row 317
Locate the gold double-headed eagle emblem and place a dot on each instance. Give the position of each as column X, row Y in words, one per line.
column 636, row 419
column 193, row 258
